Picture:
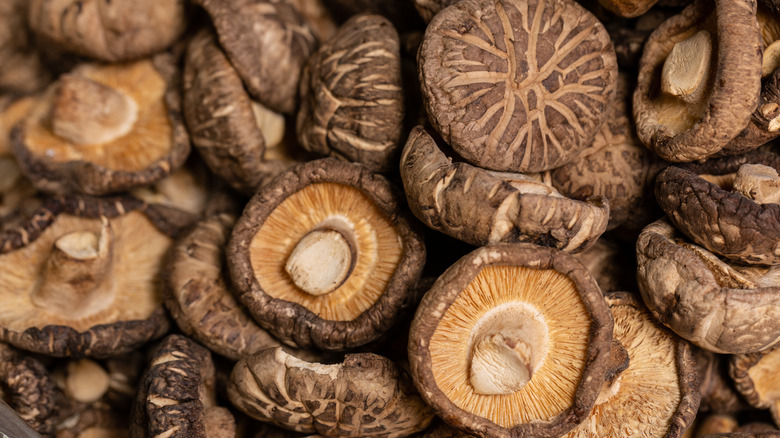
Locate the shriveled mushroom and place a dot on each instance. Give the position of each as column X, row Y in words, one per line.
column 512, row 340
column 517, row 85
column 108, row 30
column 80, row 282
column 479, row 206
column 22, row 70
column 366, row 395
column 351, row 95
column 428, row 8
column 718, row 393
column 699, row 79
column 757, row 379
column 326, row 255
column 628, row 8
column 715, row 424
column 104, row 128
column 724, row 308
column 177, row 396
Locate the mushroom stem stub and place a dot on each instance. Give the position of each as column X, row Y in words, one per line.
column 321, row 261
column 686, row 69
column 771, row 59
column 87, row 112
column 759, row 183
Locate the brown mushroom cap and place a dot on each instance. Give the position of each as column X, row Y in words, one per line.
column 718, row 89
column 717, row 388
column 23, row 70
column 366, row 395
column 104, row 128
column 628, row 8
column 79, row 281
column 757, row 379
column 703, row 299
column 351, row 95
column 105, row 30
column 490, row 338
column 268, row 42
column 428, row 8
column 480, row 207
column 177, row 396
column 517, row 85
column 326, row 255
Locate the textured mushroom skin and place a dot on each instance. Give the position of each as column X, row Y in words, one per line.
column 683, row 294
column 428, row 8
column 717, row 392
column 761, row 128
column 472, row 205
column 22, row 71
column 761, row 394
column 365, row 396
column 351, row 95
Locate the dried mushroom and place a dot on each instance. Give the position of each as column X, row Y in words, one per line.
column 325, row 255
column 658, row 393
column 480, row 206
column 78, row 280
column 717, row 388
column 628, row 8
column 268, row 42
column 177, row 398
column 758, row 380
column 724, row 308
column 351, row 95
column 716, row 423
column 517, row 85
column 366, row 395
column 699, row 79
column 232, row 132
column 22, row 70
column 512, row 340
column 104, row 128
column 429, row 8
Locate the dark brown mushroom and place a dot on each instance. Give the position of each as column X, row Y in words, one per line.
column 517, row 85
column 512, row 340
column 318, row 16
column 104, row 128
column 480, row 206
column 351, row 95
column 757, row 379
column 23, row 70
column 366, row 395
column 428, row 8
column 718, row 394
column 699, row 79
column 628, row 8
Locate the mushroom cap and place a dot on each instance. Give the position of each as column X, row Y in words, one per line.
column 756, row 378
column 717, row 388
column 23, row 70
column 468, row 301
column 108, row 31
column 725, row 222
column 155, row 142
column 479, row 206
column 517, row 85
column 680, row 131
column 429, row 8
column 702, row 299
column 628, row 8
column 351, row 95
column 102, row 304
column 272, row 29
column 366, row 395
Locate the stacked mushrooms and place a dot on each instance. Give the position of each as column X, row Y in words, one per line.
column 390, row 218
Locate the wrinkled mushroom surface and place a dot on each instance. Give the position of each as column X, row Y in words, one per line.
column 23, row 70
column 480, row 206
column 718, row 393
column 756, row 377
column 517, row 85
column 428, row 8
column 628, row 8
column 366, row 395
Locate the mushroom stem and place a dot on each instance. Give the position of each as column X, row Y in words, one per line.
column 771, row 59
column 687, row 68
column 86, row 381
column 75, row 271
column 759, row 183
column 321, row 261
column 88, row 112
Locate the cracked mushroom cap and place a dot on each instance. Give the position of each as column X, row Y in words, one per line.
column 268, row 42
column 108, row 30
column 326, row 255
column 757, row 379
column 658, row 394
column 366, row 395
column 735, row 215
column 699, row 79
column 176, row 397
column 79, row 281
column 517, row 85
column 480, row 206
column 104, row 128
column 351, row 95
column 22, row 70
column 724, row 308
column 231, row 131
column 512, row 340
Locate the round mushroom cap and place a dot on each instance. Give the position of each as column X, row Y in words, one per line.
column 719, row 307
column 517, row 85
column 177, row 396
column 326, row 255
column 480, row 206
column 512, row 340
column 108, row 30
column 104, row 128
column 756, row 378
column 268, row 42
column 22, row 70
column 351, row 95
column 699, row 79
column 78, row 280
column 366, row 395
